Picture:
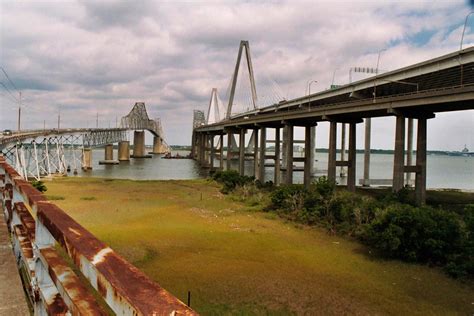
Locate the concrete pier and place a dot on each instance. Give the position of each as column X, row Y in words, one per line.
column 87, row 159
column 157, row 146
column 420, row 179
column 229, row 150
column 139, row 145
column 109, row 156
column 221, row 151
column 242, row 151
column 124, row 151
column 409, row 150
column 277, row 175
column 366, row 179
column 254, row 139
column 332, row 152
column 289, row 153
column 308, row 140
column 262, row 151
column 342, row 171
column 212, row 152
column 399, row 154
column 351, row 169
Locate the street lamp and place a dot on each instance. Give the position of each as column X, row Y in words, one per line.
column 377, row 72
column 309, row 92
column 464, row 29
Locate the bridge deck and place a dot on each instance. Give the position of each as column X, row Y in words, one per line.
column 12, row 297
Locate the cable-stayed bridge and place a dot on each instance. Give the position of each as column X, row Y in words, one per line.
column 416, row 92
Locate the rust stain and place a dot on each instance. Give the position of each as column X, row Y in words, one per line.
column 25, row 243
column 84, row 302
column 128, row 282
column 26, row 219
column 57, row 306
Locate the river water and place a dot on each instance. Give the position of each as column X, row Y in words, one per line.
column 443, row 171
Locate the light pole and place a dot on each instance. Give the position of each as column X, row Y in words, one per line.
column 309, row 92
column 464, row 29
column 377, row 72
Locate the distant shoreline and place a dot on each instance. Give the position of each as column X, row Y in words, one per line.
column 372, row 151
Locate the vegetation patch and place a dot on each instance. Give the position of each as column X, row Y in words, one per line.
column 55, row 197
column 88, row 198
column 188, row 236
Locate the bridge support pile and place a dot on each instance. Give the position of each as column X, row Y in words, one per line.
column 139, row 145
column 39, row 227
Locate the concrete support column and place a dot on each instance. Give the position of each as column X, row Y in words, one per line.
column 263, row 145
column 420, row 180
column 206, row 150
column 351, row 170
column 342, row 172
column 332, row 152
column 229, row 150
column 313, row 149
column 124, row 151
column 284, row 152
column 277, row 174
column 87, row 159
column 202, row 149
column 221, row 152
column 109, row 152
column 254, row 138
column 138, row 144
column 399, row 155
column 289, row 153
column 308, row 139
column 213, row 151
column 157, row 145
column 242, row 152
column 409, row 149
column 366, row 180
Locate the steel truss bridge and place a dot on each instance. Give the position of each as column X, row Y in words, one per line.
column 42, row 153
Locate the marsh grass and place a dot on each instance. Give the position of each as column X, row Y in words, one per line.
column 240, row 262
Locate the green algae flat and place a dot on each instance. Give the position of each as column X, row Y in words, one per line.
column 187, row 236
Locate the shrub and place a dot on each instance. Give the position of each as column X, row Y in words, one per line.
column 231, row 179
column 39, row 185
column 416, row 234
column 288, row 198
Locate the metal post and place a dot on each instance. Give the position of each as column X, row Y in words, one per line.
column 332, row 152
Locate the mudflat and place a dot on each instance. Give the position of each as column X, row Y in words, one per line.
column 237, row 260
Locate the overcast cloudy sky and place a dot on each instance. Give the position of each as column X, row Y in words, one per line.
column 89, row 57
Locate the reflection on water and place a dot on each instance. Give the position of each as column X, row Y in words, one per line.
column 442, row 171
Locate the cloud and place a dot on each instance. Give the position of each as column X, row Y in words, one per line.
column 90, row 57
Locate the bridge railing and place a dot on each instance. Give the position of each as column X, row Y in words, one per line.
column 55, row 254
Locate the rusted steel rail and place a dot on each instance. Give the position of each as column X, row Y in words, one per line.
column 45, row 240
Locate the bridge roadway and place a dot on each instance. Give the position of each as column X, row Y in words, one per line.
column 417, row 92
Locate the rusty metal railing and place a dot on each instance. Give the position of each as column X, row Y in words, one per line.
column 51, row 247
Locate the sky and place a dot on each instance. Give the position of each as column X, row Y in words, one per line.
column 89, row 59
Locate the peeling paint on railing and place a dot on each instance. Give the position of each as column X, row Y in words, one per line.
column 54, row 287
